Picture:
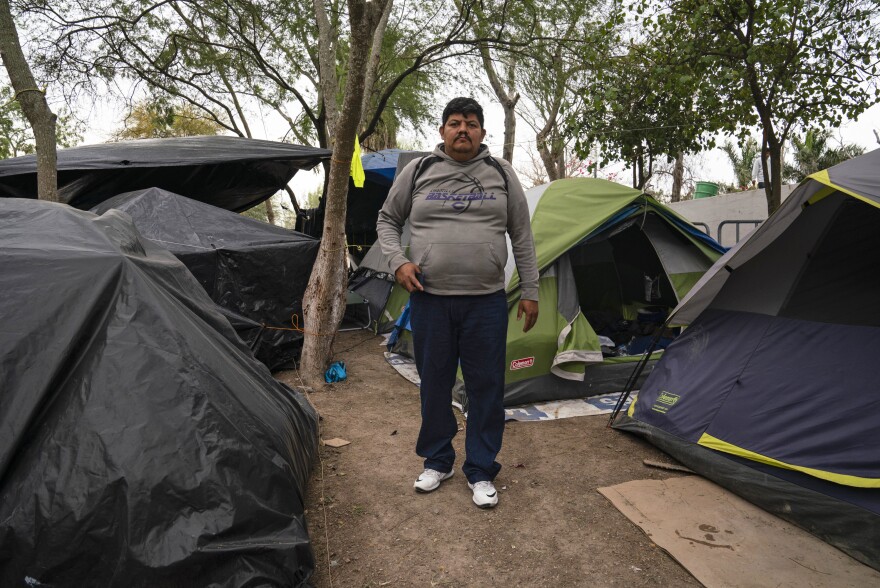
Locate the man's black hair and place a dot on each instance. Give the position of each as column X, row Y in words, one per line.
column 462, row 105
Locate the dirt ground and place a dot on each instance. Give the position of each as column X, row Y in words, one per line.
column 369, row 528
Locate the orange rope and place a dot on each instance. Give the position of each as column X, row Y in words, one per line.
column 294, row 321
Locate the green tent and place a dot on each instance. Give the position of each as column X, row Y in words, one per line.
column 613, row 262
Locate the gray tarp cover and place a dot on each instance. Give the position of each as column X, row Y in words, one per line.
column 257, row 272
column 229, row 172
column 141, row 444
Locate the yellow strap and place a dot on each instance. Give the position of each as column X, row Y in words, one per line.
column 711, row 442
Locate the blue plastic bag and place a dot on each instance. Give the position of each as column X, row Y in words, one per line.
column 335, row 373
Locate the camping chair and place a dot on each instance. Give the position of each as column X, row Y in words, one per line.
column 354, row 301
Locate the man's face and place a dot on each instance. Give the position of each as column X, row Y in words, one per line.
column 462, row 135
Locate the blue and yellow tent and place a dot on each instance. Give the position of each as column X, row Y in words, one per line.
column 771, row 390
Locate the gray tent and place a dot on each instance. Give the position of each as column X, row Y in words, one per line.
column 771, row 390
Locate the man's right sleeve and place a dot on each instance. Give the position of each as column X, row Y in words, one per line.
column 394, row 214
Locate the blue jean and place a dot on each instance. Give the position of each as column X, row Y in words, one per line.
column 471, row 330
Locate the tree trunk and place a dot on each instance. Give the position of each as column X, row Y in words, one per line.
column 773, row 188
column 547, row 138
column 328, row 81
column 292, row 198
column 677, row 177
column 546, row 156
column 33, row 104
column 508, row 97
column 324, row 301
column 560, row 157
column 375, row 54
column 270, row 212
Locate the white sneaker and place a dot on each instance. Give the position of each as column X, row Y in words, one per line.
column 430, row 480
column 485, row 495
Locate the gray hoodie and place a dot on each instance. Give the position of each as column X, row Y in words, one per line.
column 458, row 214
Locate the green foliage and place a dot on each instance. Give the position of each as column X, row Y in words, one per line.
column 160, row 119
column 640, row 107
column 312, row 198
column 776, row 65
column 16, row 136
column 235, row 59
column 412, row 103
column 568, row 45
column 258, row 212
column 812, row 153
column 742, row 158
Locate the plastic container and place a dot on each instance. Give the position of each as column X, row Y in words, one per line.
column 705, row 190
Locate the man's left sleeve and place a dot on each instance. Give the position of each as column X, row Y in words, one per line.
column 520, row 229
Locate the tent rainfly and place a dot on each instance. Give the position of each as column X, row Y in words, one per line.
column 229, row 172
column 770, row 391
column 256, row 272
column 141, row 444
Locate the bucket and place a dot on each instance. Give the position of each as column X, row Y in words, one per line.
column 705, row 190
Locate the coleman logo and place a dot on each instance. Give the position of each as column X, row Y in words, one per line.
column 525, row 362
column 665, row 400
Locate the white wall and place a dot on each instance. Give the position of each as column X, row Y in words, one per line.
column 750, row 205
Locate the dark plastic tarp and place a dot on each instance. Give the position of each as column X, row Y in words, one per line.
column 141, row 444
column 255, row 271
column 229, row 172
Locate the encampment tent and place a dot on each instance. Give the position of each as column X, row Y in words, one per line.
column 234, row 173
column 771, row 390
column 255, row 271
column 613, row 262
column 363, row 204
column 141, row 444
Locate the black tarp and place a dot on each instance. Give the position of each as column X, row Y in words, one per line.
column 255, row 271
column 141, row 444
column 229, row 172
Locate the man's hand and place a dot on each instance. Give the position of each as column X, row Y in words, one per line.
column 406, row 277
column 530, row 309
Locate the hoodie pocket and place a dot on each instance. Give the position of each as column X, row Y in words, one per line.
column 462, row 267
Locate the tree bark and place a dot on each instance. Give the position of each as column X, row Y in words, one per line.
column 33, row 104
column 773, row 188
column 772, row 165
column 507, row 98
column 328, row 82
column 270, row 212
column 292, row 198
column 375, row 54
column 548, row 143
column 677, row 178
column 324, row 301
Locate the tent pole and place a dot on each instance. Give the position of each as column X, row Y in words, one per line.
column 637, row 371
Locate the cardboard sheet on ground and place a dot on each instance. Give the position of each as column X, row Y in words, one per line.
column 543, row 411
column 725, row 541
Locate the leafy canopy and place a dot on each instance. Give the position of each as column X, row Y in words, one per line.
column 161, row 119
column 16, row 135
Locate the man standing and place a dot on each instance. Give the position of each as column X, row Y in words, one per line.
column 460, row 201
column 758, row 167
